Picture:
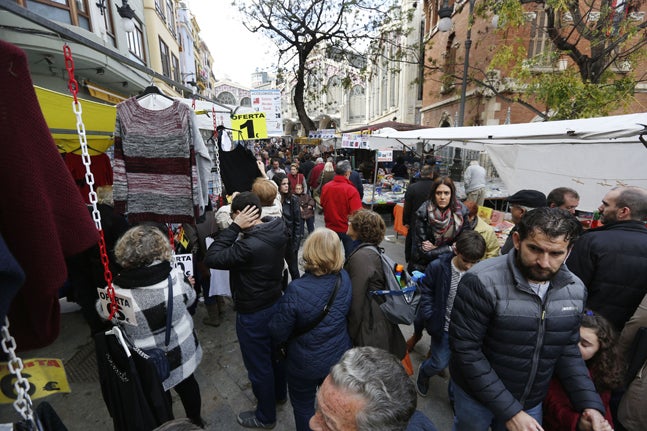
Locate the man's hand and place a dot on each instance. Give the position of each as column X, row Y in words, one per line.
column 247, row 217
column 592, row 420
column 522, row 421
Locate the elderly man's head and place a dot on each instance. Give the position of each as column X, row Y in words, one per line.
column 368, row 389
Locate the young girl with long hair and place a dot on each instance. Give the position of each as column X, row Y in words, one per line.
column 598, row 346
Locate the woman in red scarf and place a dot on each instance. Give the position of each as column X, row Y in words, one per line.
column 439, row 221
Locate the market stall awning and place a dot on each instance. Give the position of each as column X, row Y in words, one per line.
column 98, row 118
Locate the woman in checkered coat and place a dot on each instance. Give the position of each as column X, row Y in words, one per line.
column 144, row 253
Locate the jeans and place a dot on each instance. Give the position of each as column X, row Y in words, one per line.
column 302, row 398
column 310, row 223
column 471, row 415
column 439, row 358
column 266, row 375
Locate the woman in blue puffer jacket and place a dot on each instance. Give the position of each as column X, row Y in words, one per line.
column 310, row 355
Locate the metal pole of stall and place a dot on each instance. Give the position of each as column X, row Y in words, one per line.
column 374, row 181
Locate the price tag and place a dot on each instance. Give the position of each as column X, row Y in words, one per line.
column 251, row 126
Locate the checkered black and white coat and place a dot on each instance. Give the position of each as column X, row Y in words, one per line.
column 149, row 304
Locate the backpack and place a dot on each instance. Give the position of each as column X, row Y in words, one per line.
column 399, row 305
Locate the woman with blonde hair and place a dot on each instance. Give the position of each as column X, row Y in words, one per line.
column 311, row 353
column 144, row 253
column 367, row 324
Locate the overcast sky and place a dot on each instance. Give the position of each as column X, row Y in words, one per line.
column 237, row 53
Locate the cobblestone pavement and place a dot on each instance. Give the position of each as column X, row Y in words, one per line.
column 222, row 377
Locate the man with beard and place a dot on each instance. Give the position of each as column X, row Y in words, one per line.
column 612, row 260
column 515, row 322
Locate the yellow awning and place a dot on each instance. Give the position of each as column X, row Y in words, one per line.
column 98, row 118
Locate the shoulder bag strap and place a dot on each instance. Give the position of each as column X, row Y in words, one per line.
column 310, row 326
column 169, row 312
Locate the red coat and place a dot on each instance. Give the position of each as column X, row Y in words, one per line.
column 315, row 174
column 559, row 414
column 339, row 199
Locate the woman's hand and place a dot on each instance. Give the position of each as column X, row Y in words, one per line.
column 427, row 246
column 261, row 168
column 247, row 217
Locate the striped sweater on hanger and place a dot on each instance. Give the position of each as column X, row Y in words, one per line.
column 155, row 173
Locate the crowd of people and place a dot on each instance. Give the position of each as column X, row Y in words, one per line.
column 529, row 331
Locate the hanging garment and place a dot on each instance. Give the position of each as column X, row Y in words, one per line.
column 43, row 218
column 237, row 167
column 47, row 418
column 158, row 160
column 99, row 166
column 130, row 386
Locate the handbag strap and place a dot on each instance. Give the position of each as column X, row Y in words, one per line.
column 169, row 312
column 310, row 326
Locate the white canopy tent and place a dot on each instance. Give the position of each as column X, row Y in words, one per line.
column 590, row 155
column 204, row 107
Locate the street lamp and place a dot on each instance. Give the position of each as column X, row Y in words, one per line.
column 468, row 44
column 127, row 15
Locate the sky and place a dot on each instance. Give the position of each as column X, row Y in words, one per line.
column 237, row 53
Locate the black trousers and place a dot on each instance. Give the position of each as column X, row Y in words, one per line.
column 189, row 392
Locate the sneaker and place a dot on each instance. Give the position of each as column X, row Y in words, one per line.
column 422, row 383
column 248, row 420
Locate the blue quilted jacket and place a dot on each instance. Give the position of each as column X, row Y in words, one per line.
column 313, row 354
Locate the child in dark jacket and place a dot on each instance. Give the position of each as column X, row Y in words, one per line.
column 307, row 204
column 598, row 348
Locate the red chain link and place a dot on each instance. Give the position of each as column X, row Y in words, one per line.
column 69, row 65
column 73, row 85
column 213, row 115
column 171, row 236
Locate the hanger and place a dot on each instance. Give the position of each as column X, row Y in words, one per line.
column 152, row 89
column 117, row 333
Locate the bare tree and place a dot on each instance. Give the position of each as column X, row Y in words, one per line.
column 299, row 27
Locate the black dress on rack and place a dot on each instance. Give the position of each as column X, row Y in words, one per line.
column 238, row 168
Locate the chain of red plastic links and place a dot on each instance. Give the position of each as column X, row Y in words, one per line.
column 89, row 177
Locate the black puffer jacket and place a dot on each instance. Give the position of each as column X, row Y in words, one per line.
column 506, row 344
column 292, row 218
column 255, row 262
column 612, row 262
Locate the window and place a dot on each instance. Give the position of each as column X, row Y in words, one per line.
column 334, row 93
column 136, row 41
column 245, row 101
column 165, row 58
column 357, row 111
column 159, row 8
column 541, row 52
column 74, row 12
column 227, row 98
column 170, row 16
column 175, row 68
column 108, row 22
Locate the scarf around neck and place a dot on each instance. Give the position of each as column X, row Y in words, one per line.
column 132, row 278
column 444, row 223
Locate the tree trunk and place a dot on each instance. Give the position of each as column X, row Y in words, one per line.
column 299, row 91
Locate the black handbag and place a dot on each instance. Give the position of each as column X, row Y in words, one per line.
column 156, row 355
column 282, row 348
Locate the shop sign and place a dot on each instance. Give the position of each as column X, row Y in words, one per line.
column 46, row 376
column 103, row 93
column 385, row 155
column 351, row 140
column 249, row 126
column 269, row 102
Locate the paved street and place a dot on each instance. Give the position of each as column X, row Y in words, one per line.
column 223, row 381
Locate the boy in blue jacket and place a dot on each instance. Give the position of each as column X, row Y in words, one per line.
column 438, row 292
